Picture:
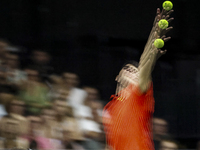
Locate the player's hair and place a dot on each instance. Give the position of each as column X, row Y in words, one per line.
column 132, row 62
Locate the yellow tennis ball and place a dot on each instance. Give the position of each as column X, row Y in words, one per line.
column 163, row 24
column 167, row 5
column 158, row 43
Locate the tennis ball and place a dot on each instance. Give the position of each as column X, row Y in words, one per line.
column 163, row 24
column 167, row 5
column 158, row 43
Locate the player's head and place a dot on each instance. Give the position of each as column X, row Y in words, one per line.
column 128, row 71
column 132, row 62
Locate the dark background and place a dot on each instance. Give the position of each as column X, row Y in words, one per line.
column 93, row 38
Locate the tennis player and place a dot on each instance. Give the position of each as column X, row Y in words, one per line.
column 127, row 117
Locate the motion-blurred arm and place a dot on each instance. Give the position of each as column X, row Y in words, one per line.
column 151, row 53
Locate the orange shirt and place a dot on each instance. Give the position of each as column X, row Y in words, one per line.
column 128, row 120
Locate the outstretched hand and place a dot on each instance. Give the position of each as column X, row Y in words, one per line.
column 162, row 15
column 159, row 51
column 156, row 31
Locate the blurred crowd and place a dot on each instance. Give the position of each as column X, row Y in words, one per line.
column 42, row 110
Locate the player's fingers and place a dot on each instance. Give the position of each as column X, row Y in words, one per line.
column 170, row 19
column 158, row 17
column 158, row 11
column 163, row 52
column 163, row 17
column 163, row 11
column 158, row 37
column 169, row 12
column 163, row 37
column 167, row 16
column 168, row 29
column 167, row 39
column 158, row 51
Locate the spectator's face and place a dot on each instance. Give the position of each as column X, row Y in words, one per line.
column 48, row 115
column 92, row 93
column 35, row 122
column 71, row 79
column 17, row 107
column 60, row 107
column 40, row 57
column 35, row 125
column 167, row 145
column 33, row 75
column 63, row 94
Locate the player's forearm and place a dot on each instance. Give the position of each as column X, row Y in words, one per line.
column 145, row 72
column 146, row 55
column 147, row 68
column 152, row 35
column 147, row 46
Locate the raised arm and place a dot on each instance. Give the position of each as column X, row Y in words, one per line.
column 156, row 32
column 151, row 53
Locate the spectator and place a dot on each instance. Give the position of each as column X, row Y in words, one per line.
column 37, row 134
column 57, row 90
column 73, row 137
column 76, row 95
column 90, row 122
column 34, row 93
column 48, row 115
column 14, row 126
column 14, row 75
column 160, row 131
column 5, row 99
column 40, row 61
column 16, row 111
